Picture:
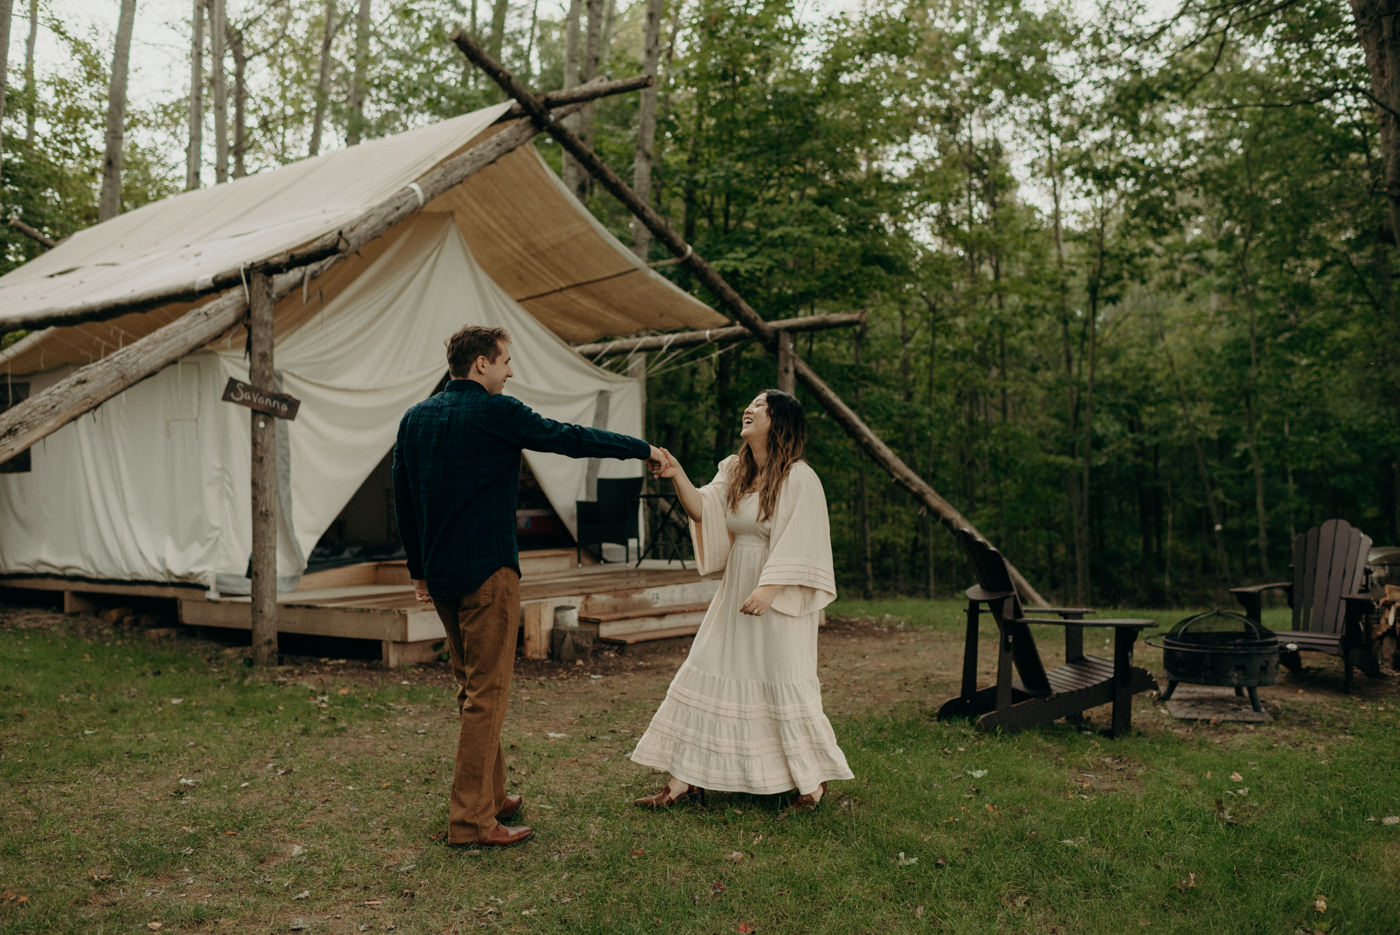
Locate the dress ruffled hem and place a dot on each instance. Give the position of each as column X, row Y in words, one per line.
column 756, row 737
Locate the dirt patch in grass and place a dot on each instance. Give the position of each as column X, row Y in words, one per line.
column 866, row 665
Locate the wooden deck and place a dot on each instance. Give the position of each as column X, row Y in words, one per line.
column 374, row 601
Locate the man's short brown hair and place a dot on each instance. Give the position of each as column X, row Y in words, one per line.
column 473, row 341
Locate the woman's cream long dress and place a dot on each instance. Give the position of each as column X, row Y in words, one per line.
column 744, row 711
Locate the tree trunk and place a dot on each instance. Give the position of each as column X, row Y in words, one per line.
column 1251, row 397
column 646, row 125
column 1222, row 560
column 355, row 131
column 110, row 202
column 7, row 8
column 323, row 81
column 218, row 86
column 592, row 56
column 239, row 50
column 530, row 38
column 31, row 95
column 496, row 39
column 1078, row 506
column 572, row 172
column 867, row 567
column 194, row 154
column 1380, row 40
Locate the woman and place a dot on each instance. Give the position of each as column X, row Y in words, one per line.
column 744, row 712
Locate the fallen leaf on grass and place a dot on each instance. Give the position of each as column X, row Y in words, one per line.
column 304, row 894
column 1188, row 882
column 716, row 887
column 1391, row 820
column 637, row 852
column 1236, row 777
column 746, row 927
column 903, row 861
column 734, row 857
column 977, row 773
column 15, row 899
column 154, row 926
column 1320, row 904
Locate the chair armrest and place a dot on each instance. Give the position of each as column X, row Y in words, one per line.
column 1250, row 596
column 979, row 593
column 1062, row 611
column 1259, row 588
column 1117, row 623
column 1355, row 607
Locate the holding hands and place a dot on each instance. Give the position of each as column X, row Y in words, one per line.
column 664, row 464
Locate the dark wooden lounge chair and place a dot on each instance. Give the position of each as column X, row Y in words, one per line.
column 1031, row 695
column 1326, row 594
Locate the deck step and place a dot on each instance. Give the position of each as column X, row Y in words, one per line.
column 670, row 633
column 637, row 621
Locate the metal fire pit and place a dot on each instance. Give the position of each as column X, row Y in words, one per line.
column 1220, row 648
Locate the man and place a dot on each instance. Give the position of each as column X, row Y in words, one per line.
column 456, row 473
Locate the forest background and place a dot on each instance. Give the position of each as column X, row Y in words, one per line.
column 1127, row 270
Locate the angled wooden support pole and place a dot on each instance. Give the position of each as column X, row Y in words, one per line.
column 728, row 297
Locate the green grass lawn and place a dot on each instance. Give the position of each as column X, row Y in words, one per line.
column 168, row 785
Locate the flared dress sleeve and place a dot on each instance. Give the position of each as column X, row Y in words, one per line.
column 799, row 547
column 711, row 535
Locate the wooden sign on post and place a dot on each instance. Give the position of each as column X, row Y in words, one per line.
column 278, row 405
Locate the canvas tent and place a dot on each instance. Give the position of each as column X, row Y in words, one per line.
column 153, row 485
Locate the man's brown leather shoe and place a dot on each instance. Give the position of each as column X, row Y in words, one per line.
column 505, row 836
column 510, row 806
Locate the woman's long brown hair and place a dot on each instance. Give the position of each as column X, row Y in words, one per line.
column 787, row 438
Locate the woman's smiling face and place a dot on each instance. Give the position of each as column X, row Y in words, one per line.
column 756, row 423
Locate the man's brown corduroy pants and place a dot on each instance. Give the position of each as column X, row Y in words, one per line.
column 481, row 630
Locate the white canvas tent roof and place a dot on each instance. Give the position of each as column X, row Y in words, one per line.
column 153, row 485
column 529, row 234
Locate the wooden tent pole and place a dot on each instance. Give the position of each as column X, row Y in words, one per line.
column 88, row 387
column 263, row 473
column 727, row 296
column 676, row 339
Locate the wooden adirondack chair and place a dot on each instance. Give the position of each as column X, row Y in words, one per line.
column 1327, row 597
column 1031, row 695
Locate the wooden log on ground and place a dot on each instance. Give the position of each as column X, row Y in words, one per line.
column 88, row 387
column 665, row 342
column 727, row 296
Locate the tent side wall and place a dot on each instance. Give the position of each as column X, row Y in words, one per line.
column 153, row 485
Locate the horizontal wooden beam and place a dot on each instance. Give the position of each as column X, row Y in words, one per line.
column 582, row 94
column 725, row 335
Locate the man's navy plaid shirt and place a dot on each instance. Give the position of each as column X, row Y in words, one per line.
column 457, row 474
